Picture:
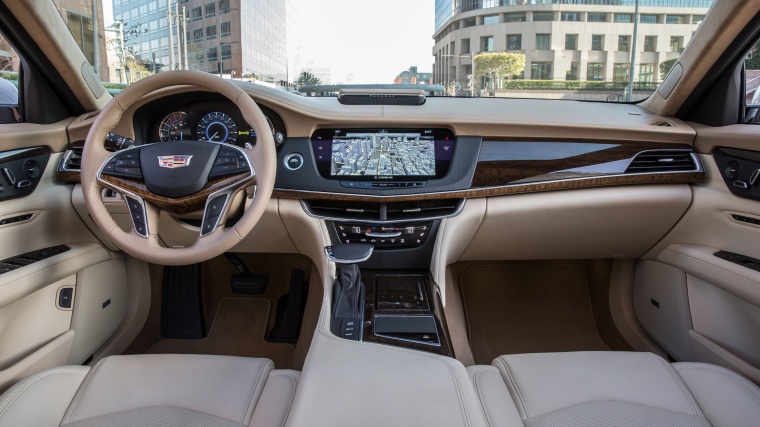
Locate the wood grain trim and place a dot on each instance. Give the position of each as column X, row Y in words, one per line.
column 495, row 173
column 182, row 205
column 68, row 176
column 669, row 178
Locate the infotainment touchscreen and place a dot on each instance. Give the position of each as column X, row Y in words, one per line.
column 383, row 154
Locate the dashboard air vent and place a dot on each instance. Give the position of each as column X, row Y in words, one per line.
column 389, row 212
column 72, row 161
column 663, row 161
column 339, row 209
column 665, row 123
column 423, row 209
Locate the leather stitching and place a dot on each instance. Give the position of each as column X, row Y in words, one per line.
column 476, row 383
column 736, row 378
column 514, row 385
column 253, row 390
column 83, row 388
column 681, row 384
column 30, row 381
column 621, row 401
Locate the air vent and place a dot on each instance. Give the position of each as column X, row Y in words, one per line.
column 386, row 212
column 339, row 209
column 423, row 209
column 667, row 124
column 663, row 161
column 72, row 160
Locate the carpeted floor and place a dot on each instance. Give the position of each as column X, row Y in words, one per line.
column 237, row 330
column 527, row 309
column 237, row 324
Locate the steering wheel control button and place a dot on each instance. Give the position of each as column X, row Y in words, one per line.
column 215, row 206
column 130, row 163
column 137, row 212
column 31, row 169
column 125, row 165
column 294, row 161
column 229, row 162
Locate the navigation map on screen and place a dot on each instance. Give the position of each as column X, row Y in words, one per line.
column 383, row 155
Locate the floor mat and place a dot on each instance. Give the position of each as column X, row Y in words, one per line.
column 528, row 309
column 239, row 328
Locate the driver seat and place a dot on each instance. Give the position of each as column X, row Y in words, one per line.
column 166, row 390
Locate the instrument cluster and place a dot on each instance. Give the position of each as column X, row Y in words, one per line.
column 203, row 119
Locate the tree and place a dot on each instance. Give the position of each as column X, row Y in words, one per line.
column 498, row 66
column 308, row 78
column 128, row 59
column 137, row 70
column 665, row 67
column 753, row 59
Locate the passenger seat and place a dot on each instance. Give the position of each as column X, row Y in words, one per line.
column 612, row 389
column 167, row 390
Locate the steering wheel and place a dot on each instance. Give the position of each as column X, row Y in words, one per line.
column 178, row 176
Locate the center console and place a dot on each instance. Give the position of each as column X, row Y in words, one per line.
column 362, row 182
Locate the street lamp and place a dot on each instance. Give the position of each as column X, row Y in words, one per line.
column 472, row 71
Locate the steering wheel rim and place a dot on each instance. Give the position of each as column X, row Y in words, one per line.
column 263, row 160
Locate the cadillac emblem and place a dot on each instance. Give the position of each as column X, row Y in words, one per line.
column 173, row 162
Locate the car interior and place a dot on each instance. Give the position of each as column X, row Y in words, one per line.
column 551, row 263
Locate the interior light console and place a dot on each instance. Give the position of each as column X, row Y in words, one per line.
column 383, row 158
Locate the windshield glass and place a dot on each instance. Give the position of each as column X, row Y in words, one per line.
column 595, row 50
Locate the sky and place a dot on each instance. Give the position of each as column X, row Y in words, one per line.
column 372, row 39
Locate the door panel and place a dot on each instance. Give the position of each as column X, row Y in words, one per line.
column 35, row 333
column 31, row 322
column 722, row 297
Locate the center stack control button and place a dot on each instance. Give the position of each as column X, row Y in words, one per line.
column 294, row 161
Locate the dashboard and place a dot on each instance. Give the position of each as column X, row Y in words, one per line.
column 336, row 152
column 200, row 117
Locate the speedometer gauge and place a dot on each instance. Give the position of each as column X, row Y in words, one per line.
column 174, row 127
column 217, row 127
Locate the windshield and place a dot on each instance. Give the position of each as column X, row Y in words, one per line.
column 594, row 50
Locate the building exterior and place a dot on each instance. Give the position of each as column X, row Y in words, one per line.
column 413, row 77
column 240, row 37
column 146, row 31
column 85, row 21
column 234, row 37
column 587, row 40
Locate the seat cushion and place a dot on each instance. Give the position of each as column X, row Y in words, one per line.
column 155, row 390
column 613, row 389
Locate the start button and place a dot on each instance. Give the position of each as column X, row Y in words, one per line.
column 293, row 161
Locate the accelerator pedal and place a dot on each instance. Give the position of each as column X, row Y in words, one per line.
column 290, row 308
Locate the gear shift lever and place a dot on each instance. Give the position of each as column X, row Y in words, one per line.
column 348, row 289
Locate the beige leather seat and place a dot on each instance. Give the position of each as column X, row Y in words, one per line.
column 164, row 390
column 612, row 389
